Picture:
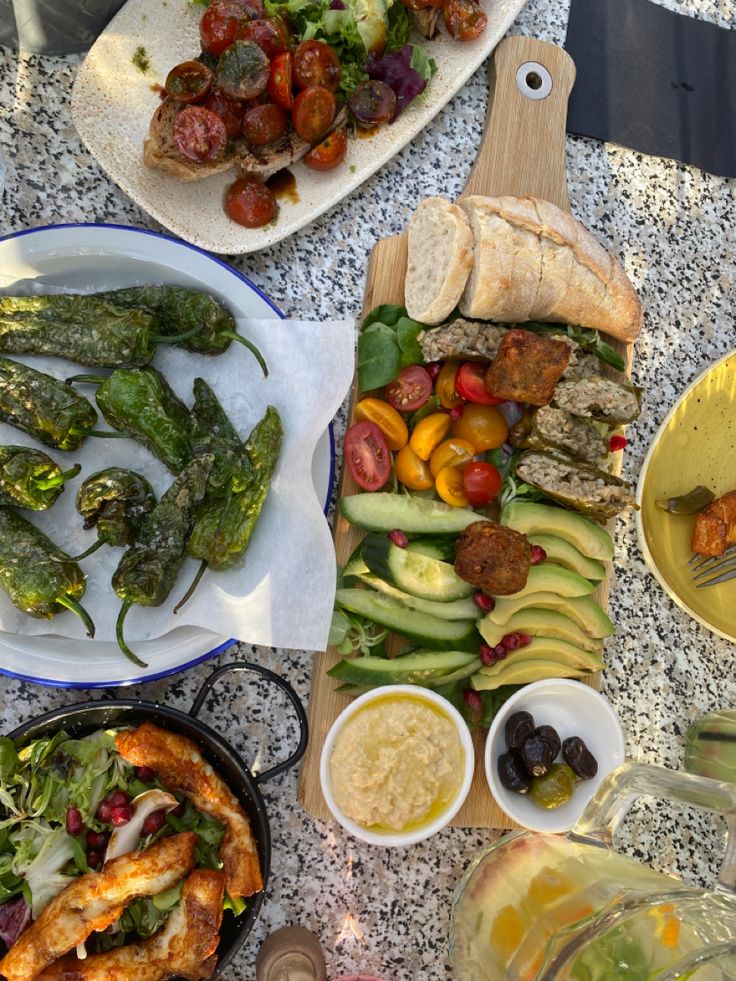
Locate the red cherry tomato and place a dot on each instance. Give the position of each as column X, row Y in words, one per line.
column 367, row 455
column 316, row 63
column 330, row 152
column 264, row 124
column 188, row 82
column 199, row 134
column 250, row 203
column 243, row 70
column 229, row 110
column 313, row 113
column 220, row 25
column 481, row 482
column 410, row 389
column 269, row 34
column 470, row 384
column 464, row 19
column 279, row 82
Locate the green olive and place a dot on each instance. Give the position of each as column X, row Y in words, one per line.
column 555, row 788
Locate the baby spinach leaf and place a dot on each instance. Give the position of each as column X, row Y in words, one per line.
column 379, row 357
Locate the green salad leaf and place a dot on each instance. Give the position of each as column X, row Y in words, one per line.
column 587, row 338
column 387, row 343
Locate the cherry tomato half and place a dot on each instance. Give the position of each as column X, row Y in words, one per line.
column 386, row 418
column 279, row 82
column 264, row 124
column 483, row 426
column 481, row 483
column 229, row 110
column 330, row 152
column 464, row 19
column 269, row 34
column 429, row 433
column 313, row 113
column 243, row 70
column 451, row 452
column 188, row 82
column 373, row 102
column 470, row 383
column 220, row 25
column 316, row 63
column 449, row 485
column 367, row 455
column 410, row 390
column 413, row 473
column 445, row 387
column 199, row 134
column 250, row 203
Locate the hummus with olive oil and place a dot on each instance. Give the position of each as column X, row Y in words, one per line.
column 396, row 764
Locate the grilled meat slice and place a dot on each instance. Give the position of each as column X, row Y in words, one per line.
column 527, row 367
column 94, row 901
column 493, row 557
column 181, row 767
column 426, row 21
column 715, row 527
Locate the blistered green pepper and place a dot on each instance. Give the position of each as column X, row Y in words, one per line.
column 147, row 571
column 691, row 503
column 115, row 501
column 48, row 409
column 238, row 485
column 207, row 326
column 30, row 478
column 32, row 575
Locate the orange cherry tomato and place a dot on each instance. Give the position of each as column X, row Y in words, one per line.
column 483, row 426
column 445, row 385
column 449, row 485
column 330, row 152
column 388, row 420
column 279, row 82
column 451, row 453
column 413, row 473
column 429, row 433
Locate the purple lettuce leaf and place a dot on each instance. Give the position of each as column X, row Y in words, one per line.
column 15, row 916
column 395, row 69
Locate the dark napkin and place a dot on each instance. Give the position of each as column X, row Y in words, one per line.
column 655, row 81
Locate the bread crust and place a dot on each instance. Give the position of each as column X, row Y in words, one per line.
column 440, row 257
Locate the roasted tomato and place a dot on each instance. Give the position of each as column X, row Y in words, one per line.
column 250, row 203
column 313, row 113
column 449, row 485
column 481, row 483
column 470, row 383
column 220, row 25
column 413, row 473
column 330, row 152
column 188, row 82
column 280, row 82
column 316, row 63
column 410, row 390
column 373, row 102
column 464, row 19
column 229, row 110
column 200, row 135
column 386, row 418
column 429, row 433
column 243, row 70
column 264, row 124
column 269, row 34
column 445, row 387
column 367, row 455
column 483, row 426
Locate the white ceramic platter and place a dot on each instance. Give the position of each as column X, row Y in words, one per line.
column 113, row 101
column 109, row 257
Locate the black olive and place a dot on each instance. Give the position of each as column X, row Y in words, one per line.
column 512, row 774
column 579, row 758
column 550, row 734
column 519, row 727
column 537, row 755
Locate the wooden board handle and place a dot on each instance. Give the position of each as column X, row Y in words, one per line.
column 523, row 147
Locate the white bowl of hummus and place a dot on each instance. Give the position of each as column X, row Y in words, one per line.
column 397, row 765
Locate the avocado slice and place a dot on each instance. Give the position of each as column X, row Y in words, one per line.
column 587, row 536
column 524, row 672
column 563, row 553
column 550, row 578
column 548, row 649
column 586, row 613
column 539, row 623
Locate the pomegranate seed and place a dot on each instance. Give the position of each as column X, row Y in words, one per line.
column 154, row 822
column 94, row 859
column 484, row 602
column 118, row 798
column 456, row 412
column 538, row 554
column 177, row 811
column 145, row 774
column 473, row 700
column 502, row 655
column 500, row 651
column 398, row 537
column 487, row 655
column 74, row 822
column 104, row 812
column 433, row 369
column 617, row 443
column 524, row 640
column 97, row 840
column 510, row 642
column 121, row 815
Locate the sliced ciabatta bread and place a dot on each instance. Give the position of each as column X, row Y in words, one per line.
column 439, row 260
column 160, row 149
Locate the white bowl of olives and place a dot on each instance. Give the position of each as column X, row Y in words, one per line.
column 547, row 751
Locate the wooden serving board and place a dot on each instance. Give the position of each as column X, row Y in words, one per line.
column 522, row 152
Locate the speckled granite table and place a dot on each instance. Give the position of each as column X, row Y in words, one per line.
column 387, row 912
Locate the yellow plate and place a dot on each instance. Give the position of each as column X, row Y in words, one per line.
column 696, row 444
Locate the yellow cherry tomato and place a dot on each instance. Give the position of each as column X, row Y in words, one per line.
column 387, row 419
column 411, row 471
column 429, row 433
column 481, row 425
column 445, row 385
column 451, row 453
column 449, row 485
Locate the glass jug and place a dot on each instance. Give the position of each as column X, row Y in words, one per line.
column 544, row 907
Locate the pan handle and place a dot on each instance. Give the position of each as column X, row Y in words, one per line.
column 247, row 666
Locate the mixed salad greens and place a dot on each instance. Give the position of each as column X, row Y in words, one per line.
column 62, row 800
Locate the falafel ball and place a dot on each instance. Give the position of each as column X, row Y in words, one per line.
column 493, row 557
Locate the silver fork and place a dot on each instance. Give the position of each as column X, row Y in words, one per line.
column 720, row 567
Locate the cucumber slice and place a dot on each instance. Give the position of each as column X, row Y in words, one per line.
column 412, row 572
column 420, row 668
column 414, row 515
column 462, row 609
column 442, row 635
column 435, row 547
column 355, row 567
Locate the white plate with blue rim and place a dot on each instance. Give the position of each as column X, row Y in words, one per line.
column 108, row 257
